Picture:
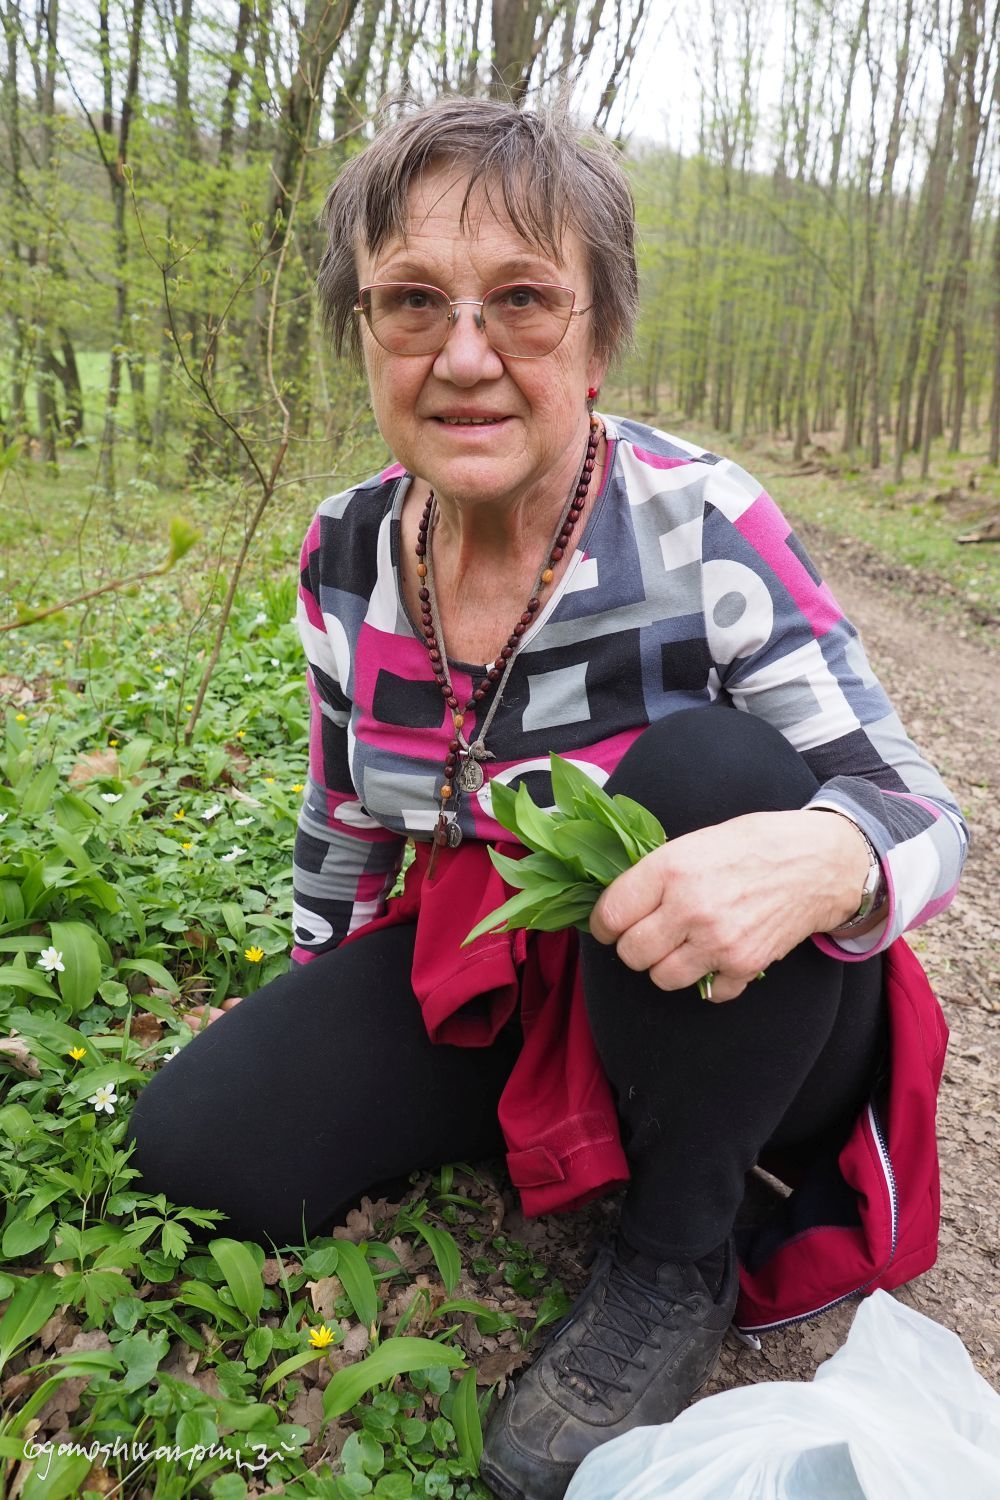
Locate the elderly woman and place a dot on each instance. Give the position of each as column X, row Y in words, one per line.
column 533, row 575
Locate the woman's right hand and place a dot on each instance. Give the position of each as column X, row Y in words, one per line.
column 195, row 1016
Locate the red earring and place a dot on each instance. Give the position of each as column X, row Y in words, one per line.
column 592, row 391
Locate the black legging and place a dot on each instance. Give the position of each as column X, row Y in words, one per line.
column 324, row 1085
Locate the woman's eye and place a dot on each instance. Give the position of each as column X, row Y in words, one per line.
column 415, row 300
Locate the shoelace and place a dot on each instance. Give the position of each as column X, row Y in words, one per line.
column 627, row 1300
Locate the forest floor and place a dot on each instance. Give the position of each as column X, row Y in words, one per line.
column 941, row 671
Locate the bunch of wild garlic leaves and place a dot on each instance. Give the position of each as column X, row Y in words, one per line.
column 577, row 850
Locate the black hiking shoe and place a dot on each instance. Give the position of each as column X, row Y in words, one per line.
column 628, row 1354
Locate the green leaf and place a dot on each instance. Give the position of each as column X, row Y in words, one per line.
column 534, row 827
column 390, row 1359
column 488, row 1319
column 522, row 873
column 502, row 801
column 32, row 1304
column 242, row 1275
column 232, row 915
column 445, row 1251
column 152, row 970
column 63, row 1473
column 26, row 979
column 23, row 1235
column 82, row 960
column 141, row 1354
column 594, row 849
column 507, row 916
column 183, row 536
column 359, row 1283
column 290, row 1365
column 641, row 822
column 257, row 1349
column 465, row 1419
column 574, row 791
column 39, row 792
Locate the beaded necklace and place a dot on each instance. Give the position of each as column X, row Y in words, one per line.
column 463, row 770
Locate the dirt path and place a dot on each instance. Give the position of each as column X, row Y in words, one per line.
column 944, row 688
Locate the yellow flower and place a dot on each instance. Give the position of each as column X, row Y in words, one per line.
column 269, row 781
column 179, row 815
column 58, row 662
column 321, row 1337
column 189, row 708
column 157, row 668
column 298, row 786
column 253, row 953
column 77, row 1052
column 68, row 645
column 187, row 845
column 21, row 718
column 113, row 744
column 241, row 734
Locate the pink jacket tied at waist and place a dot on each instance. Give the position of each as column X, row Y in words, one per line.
column 558, row 1117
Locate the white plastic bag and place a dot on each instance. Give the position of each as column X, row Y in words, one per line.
column 899, row 1413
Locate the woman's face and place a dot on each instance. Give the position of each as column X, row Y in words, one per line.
column 536, row 439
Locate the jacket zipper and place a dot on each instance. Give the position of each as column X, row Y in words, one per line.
column 885, row 1160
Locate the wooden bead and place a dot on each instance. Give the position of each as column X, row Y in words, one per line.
column 506, row 653
column 519, row 630
column 478, row 695
column 495, row 674
column 421, row 570
column 446, row 792
column 453, row 702
column 547, row 576
column 526, row 618
column 458, row 720
column 420, row 550
column 533, row 605
column 453, row 747
column 424, row 595
column 557, row 553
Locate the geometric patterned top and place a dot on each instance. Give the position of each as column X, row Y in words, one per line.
column 687, row 586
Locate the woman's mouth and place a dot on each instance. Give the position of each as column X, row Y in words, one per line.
column 470, row 421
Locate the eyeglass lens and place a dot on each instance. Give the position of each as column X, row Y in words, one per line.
column 525, row 321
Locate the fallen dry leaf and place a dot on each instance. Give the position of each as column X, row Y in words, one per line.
column 307, row 1410
column 146, row 1028
column 19, row 1055
column 323, row 1294
column 94, row 765
column 499, row 1366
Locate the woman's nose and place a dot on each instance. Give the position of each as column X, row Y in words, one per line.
column 468, row 356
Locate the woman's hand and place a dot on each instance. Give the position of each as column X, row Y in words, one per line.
column 195, row 1016
column 731, row 899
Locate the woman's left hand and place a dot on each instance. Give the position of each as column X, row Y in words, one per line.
column 730, row 899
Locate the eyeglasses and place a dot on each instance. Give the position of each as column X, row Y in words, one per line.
column 522, row 320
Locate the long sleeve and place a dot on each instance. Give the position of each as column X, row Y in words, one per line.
column 344, row 862
column 783, row 649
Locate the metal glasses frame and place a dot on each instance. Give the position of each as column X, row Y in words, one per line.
column 451, row 317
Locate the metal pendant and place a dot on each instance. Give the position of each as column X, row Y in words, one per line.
column 479, row 752
column 470, row 776
column 454, row 835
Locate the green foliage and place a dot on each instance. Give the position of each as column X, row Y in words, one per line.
column 579, row 849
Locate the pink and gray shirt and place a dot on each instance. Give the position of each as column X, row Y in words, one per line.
column 687, row 587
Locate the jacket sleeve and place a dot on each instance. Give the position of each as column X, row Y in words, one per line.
column 783, row 649
column 344, row 863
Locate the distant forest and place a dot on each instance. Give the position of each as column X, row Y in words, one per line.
column 828, row 261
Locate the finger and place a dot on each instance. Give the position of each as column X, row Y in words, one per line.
column 631, row 896
column 678, row 974
column 233, row 1000
column 200, row 1016
column 648, row 942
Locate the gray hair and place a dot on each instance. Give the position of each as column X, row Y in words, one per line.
column 551, row 175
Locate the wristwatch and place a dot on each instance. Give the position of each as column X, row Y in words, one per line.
column 872, row 892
